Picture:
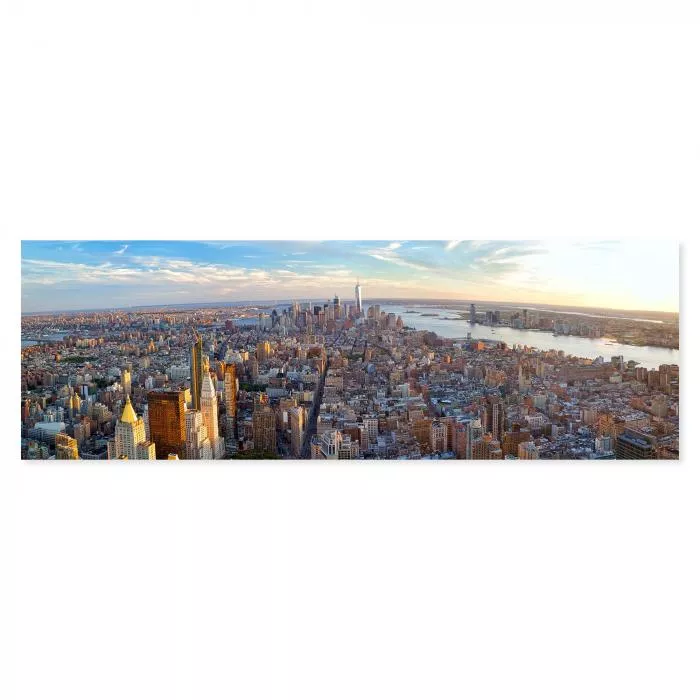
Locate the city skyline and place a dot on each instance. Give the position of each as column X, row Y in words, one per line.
column 63, row 275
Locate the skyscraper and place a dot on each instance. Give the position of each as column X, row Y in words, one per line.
column 358, row 297
column 130, row 434
column 166, row 417
column 230, row 399
column 210, row 416
column 472, row 314
column 196, row 371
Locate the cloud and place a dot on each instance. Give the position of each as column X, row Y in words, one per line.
column 389, row 254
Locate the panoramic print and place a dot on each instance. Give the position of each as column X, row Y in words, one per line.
column 350, row 350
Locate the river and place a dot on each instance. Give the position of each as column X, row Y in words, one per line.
column 448, row 324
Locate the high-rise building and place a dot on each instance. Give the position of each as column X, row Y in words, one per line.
column 264, row 429
column 166, row 418
column 296, row 424
column 66, row 447
column 263, row 350
column 230, row 399
column 210, row 416
column 196, row 373
column 358, row 297
column 472, row 314
column 129, row 434
column 494, row 417
column 474, row 432
column 438, row 437
column 197, row 445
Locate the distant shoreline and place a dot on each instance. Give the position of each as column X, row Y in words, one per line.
column 441, row 303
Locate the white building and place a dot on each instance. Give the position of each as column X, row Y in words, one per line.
column 197, row 444
column 210, row 415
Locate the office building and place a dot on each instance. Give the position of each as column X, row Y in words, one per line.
column 264, row 429
column 494, row 417
column 210, row 416
column 197, row 444
column 634, row 444
column 166, row 418
column 296, row 425
column 358, row 298
column 230, row 392
column 196, row 373
column 129, row 433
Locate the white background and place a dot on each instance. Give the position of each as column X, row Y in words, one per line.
column 380, row 120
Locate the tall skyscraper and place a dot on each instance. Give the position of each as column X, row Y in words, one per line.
column 130, row 434
column 166, row 418
column 472, row 314
column 358, row 297
column 196, row 372
column 210, row 416
column 230, row 399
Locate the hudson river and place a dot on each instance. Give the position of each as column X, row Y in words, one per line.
column 448, row 325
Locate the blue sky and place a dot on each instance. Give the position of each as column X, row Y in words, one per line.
column 629, row 274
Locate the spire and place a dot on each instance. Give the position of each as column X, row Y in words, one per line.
column 208, row 386
column 128, row 414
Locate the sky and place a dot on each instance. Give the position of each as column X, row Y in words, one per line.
column 628, row 274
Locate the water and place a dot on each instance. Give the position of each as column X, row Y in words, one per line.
column 448, row 325
column 28, row 342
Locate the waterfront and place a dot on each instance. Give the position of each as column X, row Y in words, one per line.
column 448, row 324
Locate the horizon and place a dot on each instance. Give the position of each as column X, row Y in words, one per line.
column 564, row 308
column 58, row 276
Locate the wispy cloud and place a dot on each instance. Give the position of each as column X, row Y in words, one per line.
column 390, row 255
